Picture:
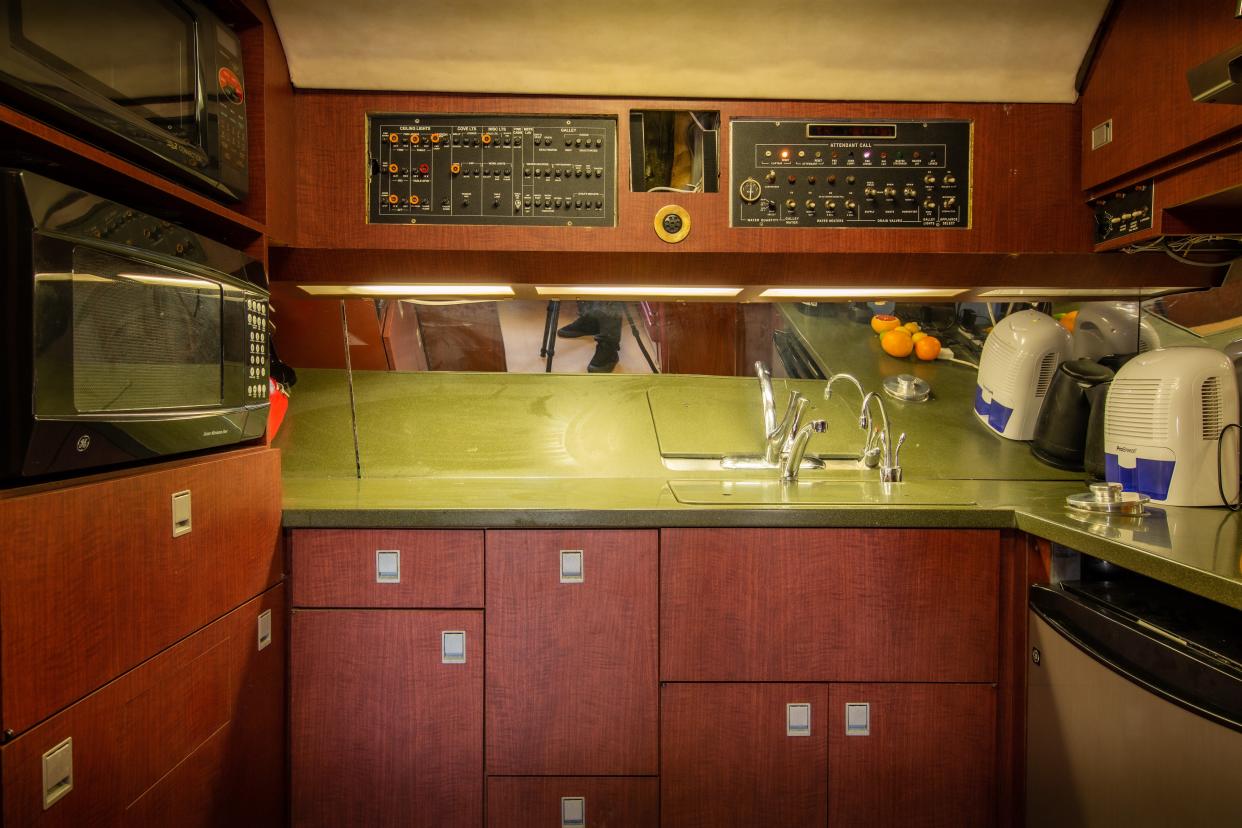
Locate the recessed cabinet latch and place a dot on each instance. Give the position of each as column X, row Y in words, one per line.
column 181, row 513
column 857, row 719
column 573, row 811
column 571, row 566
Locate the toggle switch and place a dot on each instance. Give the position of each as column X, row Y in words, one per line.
column 573, row 811
column 798, row 719
column 181, row 513
column 857, row 719
column 571, row 566
column 453, row 647
column 387, row 566
column 57, row 773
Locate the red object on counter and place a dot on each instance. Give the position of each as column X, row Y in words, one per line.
column 279, row 402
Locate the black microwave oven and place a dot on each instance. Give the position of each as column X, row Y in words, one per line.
column 159, row 82
column 125, row 337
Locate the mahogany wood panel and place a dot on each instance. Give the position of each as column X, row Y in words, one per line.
column 94, row 583
column 1011, row 688
column 726, row 760
column 403, row 343
column 1138, row 79
column 828, row 605
column 896, row 268
column 307, row 332
column 1013, row 144
column 462, row 337
column 698, row 338
column 572, row 684
column 336, row 568
column 192, row 737
column 84, row 165
column 535, row 802
column 928, row 762
column 381, row 732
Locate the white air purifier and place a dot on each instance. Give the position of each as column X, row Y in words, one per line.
column 1162, row 423
column 1104, row 328
column 1020, row 356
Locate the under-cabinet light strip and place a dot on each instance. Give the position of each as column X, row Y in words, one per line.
column 1071, row 292
column 637, row 290
column 448, row 291
column 858, row 292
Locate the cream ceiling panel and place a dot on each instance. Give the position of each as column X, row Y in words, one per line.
column 917, row 50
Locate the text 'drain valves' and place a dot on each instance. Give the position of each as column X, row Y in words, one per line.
column 453, row 647
column 571, row 566
column 857, row 719
column 573, row 811
column 57, row 773
column 181, row 523
column 798, row 719
column 387, row 566
column 265, row 629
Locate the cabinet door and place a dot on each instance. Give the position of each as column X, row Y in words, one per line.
column 383, row 732
column 572, row 685
column 539, row 802
column 928, row 758
column 728, row 757
column 829, row 605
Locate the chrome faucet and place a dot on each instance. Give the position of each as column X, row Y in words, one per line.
column 870, row 451
column 878, row 449
column 778, row 437
column 792, row 461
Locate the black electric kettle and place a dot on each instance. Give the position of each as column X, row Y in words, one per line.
column 1061, row 429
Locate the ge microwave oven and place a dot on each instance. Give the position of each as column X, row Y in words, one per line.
column 157, row 81
column 125, row 337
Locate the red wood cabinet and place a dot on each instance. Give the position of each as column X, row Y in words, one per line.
column 338, row 568
column 192, row 737
column 727, row 758
column 572, row 686
column 828, row 605
column 536, row 802
column 383, row 732
column 95, row 583
column 928, row 760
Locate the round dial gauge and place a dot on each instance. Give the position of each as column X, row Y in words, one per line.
column 750, row 190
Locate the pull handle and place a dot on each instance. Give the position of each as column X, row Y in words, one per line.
column 571, row 566
column 798, row 719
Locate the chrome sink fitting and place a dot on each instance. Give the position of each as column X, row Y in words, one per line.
column 878, row 448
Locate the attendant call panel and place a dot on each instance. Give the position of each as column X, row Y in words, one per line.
column 510, row 170
column 850, row 174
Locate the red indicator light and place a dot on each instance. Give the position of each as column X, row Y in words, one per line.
column 424, row 169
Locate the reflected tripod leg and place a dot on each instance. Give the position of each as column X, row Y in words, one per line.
column 548, row 347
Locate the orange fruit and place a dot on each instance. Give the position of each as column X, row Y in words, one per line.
column 1068, row 320
column 897, row 342
column 882, row 322
column 912, row 327
column 927, row 348
column 917, row 336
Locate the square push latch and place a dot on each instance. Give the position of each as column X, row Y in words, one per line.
column 387, row 566
column 857, row 719
column 798, row 719
column 265, row 629
column 181, row 513
column 453, row 647
column 573, row 811
column 57, row 773
column 571, row 566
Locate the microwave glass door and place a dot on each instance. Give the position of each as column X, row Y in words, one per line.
column 136, row 54
column 136, row 337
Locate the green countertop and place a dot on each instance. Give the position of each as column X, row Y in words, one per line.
column 503, row 451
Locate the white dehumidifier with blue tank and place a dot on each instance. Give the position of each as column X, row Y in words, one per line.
column 1019, row 358
column 1163, row 419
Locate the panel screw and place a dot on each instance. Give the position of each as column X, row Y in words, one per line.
column 1035, row 655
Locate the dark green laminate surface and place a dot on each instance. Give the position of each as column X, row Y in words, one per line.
column 497, row 450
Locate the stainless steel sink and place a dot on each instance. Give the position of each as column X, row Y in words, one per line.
column 812, row 492
column 847, row 466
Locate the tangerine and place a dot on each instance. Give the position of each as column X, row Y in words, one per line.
column 897, row 342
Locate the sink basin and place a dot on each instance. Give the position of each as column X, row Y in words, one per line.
column 819, row 492
column 817, row 466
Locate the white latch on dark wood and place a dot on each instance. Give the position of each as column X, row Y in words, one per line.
column 798, row 719
column 181, row 522
column 453, row 647
column 571, row 566
column 857, row 719
column 387, row 566
column 573, row 811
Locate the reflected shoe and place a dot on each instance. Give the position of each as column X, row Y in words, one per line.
column 582, row 326
column 605, row 358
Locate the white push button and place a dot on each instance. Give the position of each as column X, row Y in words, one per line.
column 857, row 719
column 573, row 811
column 571, row 566
column 798, row 719
column 453, row 647
column 57, row 773
column 388, row 566
column 181, row 513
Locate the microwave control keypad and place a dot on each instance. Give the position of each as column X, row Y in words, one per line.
column 256, row 363
column 850, row 174
column 509, row 170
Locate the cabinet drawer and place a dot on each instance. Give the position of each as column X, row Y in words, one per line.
column 572, row 680
column 95, row 582
column 382, row 730
column 536, row 802
column 829, row 605
column 191, row 737
column 358, row 568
